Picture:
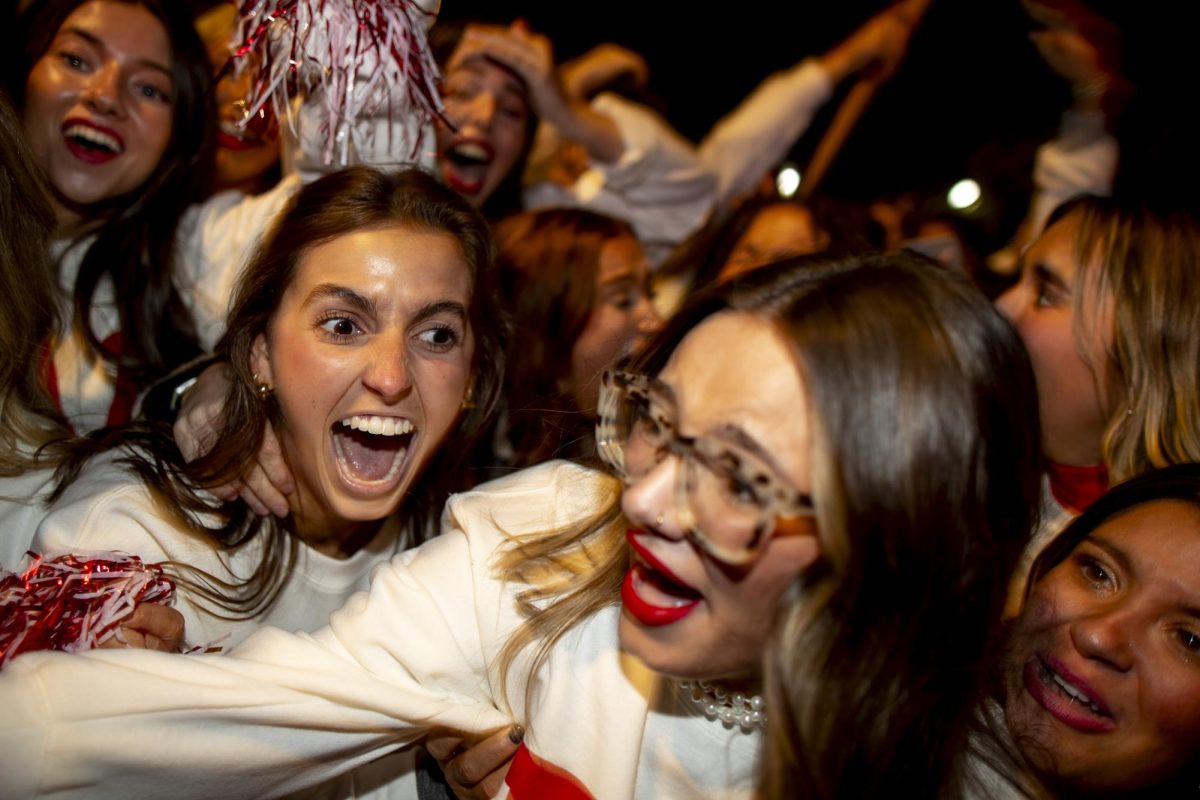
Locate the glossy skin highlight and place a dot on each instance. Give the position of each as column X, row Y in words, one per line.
column 373, row 324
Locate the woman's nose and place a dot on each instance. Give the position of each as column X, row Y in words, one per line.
column 648, row 320
column 1106, row 636
column 482, row 110
column 386, row 371
column 1009, row 304
column 651, row 500
column 103, row 91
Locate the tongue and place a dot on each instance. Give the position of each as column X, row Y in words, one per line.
column 370, row 457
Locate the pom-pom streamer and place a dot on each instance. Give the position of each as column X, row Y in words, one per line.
column 74, row 602
column 369, row 59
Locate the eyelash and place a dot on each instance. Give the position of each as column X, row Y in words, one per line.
column 1189, row 641
column 146, row 90
column 333, row 336
column 151, row 92
column 441, row 347
column 1094, row 572
column 72, row 59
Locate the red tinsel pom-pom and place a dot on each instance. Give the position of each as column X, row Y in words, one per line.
column 74, row 602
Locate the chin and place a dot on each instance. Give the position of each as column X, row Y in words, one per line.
column 672, row 659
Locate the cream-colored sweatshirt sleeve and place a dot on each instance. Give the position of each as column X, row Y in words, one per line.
column 287, row 711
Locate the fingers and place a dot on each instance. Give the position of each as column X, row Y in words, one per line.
column 269, row 481
column 476, row 770
column 151, row 626
column 202, row 412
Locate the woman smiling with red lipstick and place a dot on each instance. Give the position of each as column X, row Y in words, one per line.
column 1102, row 684
column 115, row 106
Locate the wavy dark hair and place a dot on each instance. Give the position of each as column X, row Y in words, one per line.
column 547, row 265
column 135, row 234
column 354, row 199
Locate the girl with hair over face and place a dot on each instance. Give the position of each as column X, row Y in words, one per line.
column 357, row 332
column 1108, row 307
column 1099, row 694
column 576, row 288
column 826, row 478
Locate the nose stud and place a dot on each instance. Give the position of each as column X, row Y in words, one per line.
column 659, row 520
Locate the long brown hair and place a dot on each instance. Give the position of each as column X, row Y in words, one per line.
column 31, row 429
column 353, row 199
column 547, row 265
column 925, row 485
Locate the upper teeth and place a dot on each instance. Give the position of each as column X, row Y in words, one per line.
column 383, row 426
column 94, row 136
column 1075, row 693
column 472, row 150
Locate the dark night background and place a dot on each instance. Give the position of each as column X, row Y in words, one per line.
column 972, row 99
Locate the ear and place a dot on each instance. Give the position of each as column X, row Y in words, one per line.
column 260, row 361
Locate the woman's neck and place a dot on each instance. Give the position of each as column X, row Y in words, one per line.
column 335, row 539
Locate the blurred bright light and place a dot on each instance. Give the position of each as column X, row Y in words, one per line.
column 787, row 181
column 963, row 194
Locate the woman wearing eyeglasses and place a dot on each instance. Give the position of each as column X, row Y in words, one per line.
column 795, row 594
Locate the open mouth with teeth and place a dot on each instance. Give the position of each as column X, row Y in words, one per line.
column 465, row 165
column 92, row 144
column 1065, row 699
column 370, row 451
column 652, row 593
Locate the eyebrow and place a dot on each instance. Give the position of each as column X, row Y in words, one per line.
column 96, row 41
column 745, row 441
column 367, row 306
column 1113, row 550
column 333, row 291
column 1047, row 275
column 441, row 307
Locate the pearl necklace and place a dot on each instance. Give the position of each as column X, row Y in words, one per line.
column 717, row 703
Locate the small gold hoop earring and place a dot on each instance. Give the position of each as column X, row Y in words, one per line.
column 468, row 401
column 260, row 386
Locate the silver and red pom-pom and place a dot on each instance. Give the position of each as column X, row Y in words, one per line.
column 368, row 59
column 74, row 602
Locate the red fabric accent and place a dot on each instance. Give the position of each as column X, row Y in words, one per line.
column 121, row 410
column 50, row 375
column 533, row 778
column 1076, row 488
column 125, row 391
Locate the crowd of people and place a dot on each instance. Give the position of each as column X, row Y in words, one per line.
column 570, row 458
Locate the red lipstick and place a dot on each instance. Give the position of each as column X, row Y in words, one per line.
column 654, row 576
column 91, row 143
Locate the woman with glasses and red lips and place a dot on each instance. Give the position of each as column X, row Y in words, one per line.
column 795, row 592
